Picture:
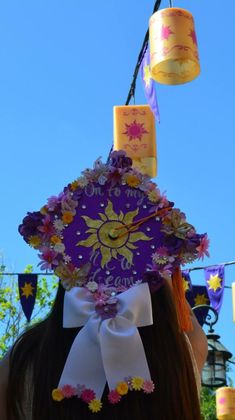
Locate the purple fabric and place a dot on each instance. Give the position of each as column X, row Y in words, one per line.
column 215, row 282
column 149, row 86
column 118, row 272
column 27, row 284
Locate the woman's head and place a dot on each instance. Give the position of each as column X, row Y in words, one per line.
column 40, row 354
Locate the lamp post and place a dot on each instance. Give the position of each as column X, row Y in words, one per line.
column 214, row 371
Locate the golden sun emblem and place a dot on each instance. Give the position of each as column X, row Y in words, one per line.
column 27, row 290
column 135, row 130
column 200, row 299
column 110, row 235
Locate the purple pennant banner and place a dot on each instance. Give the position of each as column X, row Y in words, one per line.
column 187, row 284
column 149, row 85
column 27, row 290
column 215, row 281
column 196, row 296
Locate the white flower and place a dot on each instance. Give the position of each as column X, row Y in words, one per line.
column 67, row 258
column 58, row 225
column 82, row 181
column 92, row 286
column 102, row 179
column 59, row 247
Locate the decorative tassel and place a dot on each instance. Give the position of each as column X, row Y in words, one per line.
column 182, row 308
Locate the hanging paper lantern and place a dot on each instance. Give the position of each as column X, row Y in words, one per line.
column 134, row 132
column 173, row 47
column 225, row 403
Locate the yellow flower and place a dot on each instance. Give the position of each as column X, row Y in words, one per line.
column 153, row 196
column 74, row 185
column 122, row 388
column 137, row 383
column 132, row 180
column 43, row 210
column 57, row 394
column 67, row 217
column 34, row 241
column 95, row 406
column 55, row 239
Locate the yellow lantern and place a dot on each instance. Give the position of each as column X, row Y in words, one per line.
column 225, row 403
column 173, row 47
column 134, row 132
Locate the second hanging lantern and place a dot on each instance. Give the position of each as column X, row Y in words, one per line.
column 173, row 46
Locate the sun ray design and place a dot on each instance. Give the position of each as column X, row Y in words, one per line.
column 111, row 236
column 135, row 130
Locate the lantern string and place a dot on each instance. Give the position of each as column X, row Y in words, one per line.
column 171, row 3
column 144, row 47
column 131, row 93
column 208, row 266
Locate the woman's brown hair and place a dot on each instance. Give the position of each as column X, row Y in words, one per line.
column 38, row 358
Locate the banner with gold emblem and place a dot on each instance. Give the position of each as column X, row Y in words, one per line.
column 27, row 284
column 214, row 277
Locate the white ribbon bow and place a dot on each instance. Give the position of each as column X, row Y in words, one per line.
column 106, row 349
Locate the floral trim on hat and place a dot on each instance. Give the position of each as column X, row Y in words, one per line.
column 134, row 383
column 43, row 230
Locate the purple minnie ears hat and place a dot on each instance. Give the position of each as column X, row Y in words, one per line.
column 112, row 238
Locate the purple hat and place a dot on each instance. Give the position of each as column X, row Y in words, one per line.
column 109, row 227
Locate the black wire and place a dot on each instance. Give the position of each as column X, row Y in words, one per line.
column 144, row 47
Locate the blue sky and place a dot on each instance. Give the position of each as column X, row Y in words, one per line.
column 64, row 65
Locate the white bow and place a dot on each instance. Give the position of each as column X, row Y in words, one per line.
column 106, row 349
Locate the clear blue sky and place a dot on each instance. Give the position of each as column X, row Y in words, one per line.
column 64, row 64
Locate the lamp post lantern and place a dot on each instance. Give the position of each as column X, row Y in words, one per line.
column 214, row 371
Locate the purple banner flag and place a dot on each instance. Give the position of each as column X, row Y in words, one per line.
column 27, row 290
column 196, row 296
column 187, row 284
column 149, row 85
column 214, row 277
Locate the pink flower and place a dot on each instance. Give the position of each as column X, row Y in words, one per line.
column 88, row 395
column 48, row 258
column 68, row 391
column 203, row 247
column 148, row 386
column 114, row 397
column 47, row 227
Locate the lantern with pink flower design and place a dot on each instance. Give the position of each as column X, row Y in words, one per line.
column 174, row 55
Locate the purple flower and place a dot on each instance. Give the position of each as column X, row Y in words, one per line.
column 77, row 193
column 119, row 159
column 107, row 309
column 79, row 389
column 154, row 280
column 52, row 203
column 173, row 244
column 30, row 224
